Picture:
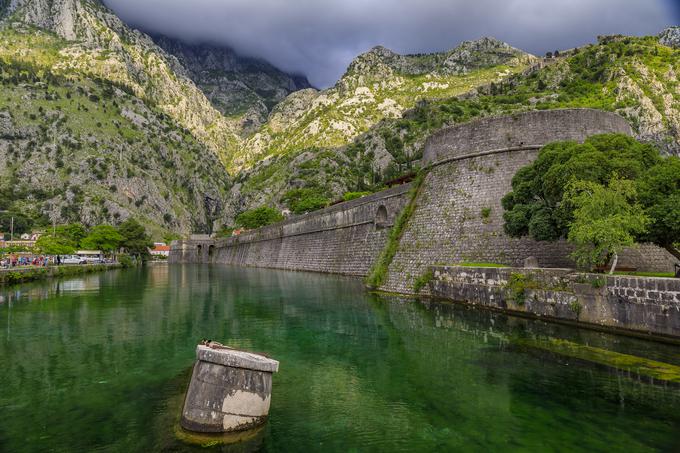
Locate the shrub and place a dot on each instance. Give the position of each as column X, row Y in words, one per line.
column 225, row 232
column 354, row 195
column 126, row 261
column 258, row 217
column 423, row 280
column 517, row 286
column 305, row 200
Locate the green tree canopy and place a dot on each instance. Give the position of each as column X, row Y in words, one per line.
column 135, row 241
column 537, row 207
column 54, row 245
column 22, row 224
column 258, row 217
column 102, row 237
column 659, row 189
column 305, row 200
column 74, row 233
column 606, row 219
column 534, row 207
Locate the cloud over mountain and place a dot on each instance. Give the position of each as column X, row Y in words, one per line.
column 320, row 38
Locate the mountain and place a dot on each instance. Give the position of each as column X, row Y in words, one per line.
column 378, row 84
column 305, row 141
column 99, row 123
column 95, row 125
column 670, row 37
column 342, row 140
column 98, row 44
column 240, row 87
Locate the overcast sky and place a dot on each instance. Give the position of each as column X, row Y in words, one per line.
column 319, row 38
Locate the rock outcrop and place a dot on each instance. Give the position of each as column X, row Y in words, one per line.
column 670, row 37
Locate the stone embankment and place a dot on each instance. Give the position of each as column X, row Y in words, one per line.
column 342, row 239
column 638, row 304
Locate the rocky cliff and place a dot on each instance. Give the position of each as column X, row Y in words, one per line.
column 96, row 126
column 99, row 122
column 240, row 87
column 97, row 43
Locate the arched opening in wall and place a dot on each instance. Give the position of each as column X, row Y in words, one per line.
column 381, row 217
column 200, row 251
column 211, row 251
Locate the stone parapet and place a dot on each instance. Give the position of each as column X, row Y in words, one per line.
column 642, row 304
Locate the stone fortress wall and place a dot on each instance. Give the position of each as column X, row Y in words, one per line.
column 343, row 239
column 459, row 217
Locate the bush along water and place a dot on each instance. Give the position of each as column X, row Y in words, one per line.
column 14, row 277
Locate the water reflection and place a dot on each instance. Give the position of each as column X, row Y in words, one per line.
column 358, row 371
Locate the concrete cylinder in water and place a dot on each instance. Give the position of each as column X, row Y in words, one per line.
column 230, row 390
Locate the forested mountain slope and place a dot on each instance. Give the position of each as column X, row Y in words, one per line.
column 635, row 77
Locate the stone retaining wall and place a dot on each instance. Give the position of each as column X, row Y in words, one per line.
column 643, row 304
column 342, row 239
column 459, row 217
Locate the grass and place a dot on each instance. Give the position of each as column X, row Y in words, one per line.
column 647, row 274
column 469, row 264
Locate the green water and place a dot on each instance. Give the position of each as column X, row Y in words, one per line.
column 99, row 363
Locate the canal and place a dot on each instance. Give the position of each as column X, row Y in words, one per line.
column 99, row 363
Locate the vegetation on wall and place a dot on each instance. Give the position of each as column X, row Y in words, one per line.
column 378, row 273
column 422, row 281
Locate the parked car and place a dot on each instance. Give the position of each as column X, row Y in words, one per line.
column 93, row 260
column 73, row 259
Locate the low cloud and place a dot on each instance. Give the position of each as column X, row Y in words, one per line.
column 319, row 38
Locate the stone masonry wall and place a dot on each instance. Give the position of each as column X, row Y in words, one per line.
column 342, row 239
column 643, row 304
column 523, row 130
column 459, row 217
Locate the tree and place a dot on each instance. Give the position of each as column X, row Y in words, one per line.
column 54, row 245
column 169, row 237
column 659, row 189
column 606, row 220
column 22, row 224
column 534, row 206
column 73, row 233
column 135, row 241
column 258, row 217
column 102, row 237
